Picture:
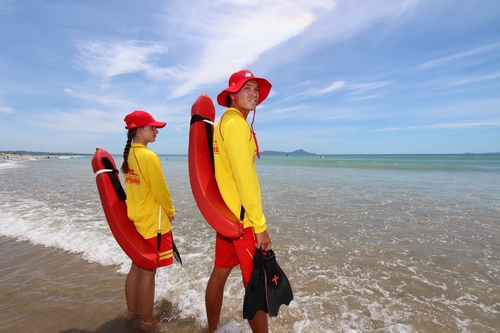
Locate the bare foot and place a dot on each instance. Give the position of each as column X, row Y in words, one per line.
column 152, row 325
column 132, row 315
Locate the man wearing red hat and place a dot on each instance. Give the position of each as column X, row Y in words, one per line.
column 235, row 147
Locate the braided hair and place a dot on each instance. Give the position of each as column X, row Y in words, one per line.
column 130, row 135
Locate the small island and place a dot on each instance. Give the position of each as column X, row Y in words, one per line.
column 300, row 152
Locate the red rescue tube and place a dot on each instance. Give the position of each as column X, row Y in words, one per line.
column 115, row 210
column 202, row 175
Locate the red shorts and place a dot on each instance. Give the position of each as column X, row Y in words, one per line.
column 230, row 252
column 166, row 252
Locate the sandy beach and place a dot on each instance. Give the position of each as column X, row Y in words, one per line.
column 47, row 290
column 53, row 299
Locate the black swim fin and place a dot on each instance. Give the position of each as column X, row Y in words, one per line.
column 255, row 295
column 278, row 288
column 177, row 255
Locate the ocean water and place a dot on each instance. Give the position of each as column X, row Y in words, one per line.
column 370, row 243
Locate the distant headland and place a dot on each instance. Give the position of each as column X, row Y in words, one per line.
column 300, row 152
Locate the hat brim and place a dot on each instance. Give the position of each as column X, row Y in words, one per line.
column 264, row 89
column 157, row 124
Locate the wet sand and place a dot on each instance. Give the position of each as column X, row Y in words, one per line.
column 49, row 290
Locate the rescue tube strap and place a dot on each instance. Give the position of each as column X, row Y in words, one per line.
column 103, row 171
column 242, row 213
column 112, row 172
column 209, row 125
column 196, row 117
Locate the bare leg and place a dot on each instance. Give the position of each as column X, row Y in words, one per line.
column 214, row 296
column 146, row 290
column 259, row 322
column 132, row 290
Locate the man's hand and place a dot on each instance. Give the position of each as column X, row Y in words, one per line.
column 263, row 241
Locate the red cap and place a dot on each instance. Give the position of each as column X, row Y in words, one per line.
column 236, row 82
column 140, row 118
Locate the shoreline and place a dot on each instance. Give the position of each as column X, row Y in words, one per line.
column 16, row 156
column 36, row 155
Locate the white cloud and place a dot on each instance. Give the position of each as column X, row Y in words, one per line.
column 6, row 109
column 109, row 101
column 355, row 89
column 359, row 88
column 347, row 18
column 218, row 42
column 457, row 56
column 288, row 110
column 85, row 120
column 365, row 97
column 239, row 35
column 445, row 126
column 107, row 59
column 473, row 80
column 334, row 86
column 321, row 56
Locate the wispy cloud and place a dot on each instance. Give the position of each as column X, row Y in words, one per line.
column 235, row 44
column 109, row 101
column 474, row 79
column 338, row 67
column 106, row 59
column 458, row 125
column 457, row 56
column 224, row 45
column 365, row 97
column 334, row 86
column 352, row 88
column 360, row 88
column 288, row 110
column 85, row 120
column 263, row 26
column 6, row 109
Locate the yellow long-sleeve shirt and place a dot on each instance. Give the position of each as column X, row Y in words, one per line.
column 147, row 190
column 235, row 170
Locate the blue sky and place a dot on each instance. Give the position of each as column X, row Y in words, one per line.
column 349, row 76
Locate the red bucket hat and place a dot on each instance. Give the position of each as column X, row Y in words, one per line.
column 140, row 118
column 238, row 79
